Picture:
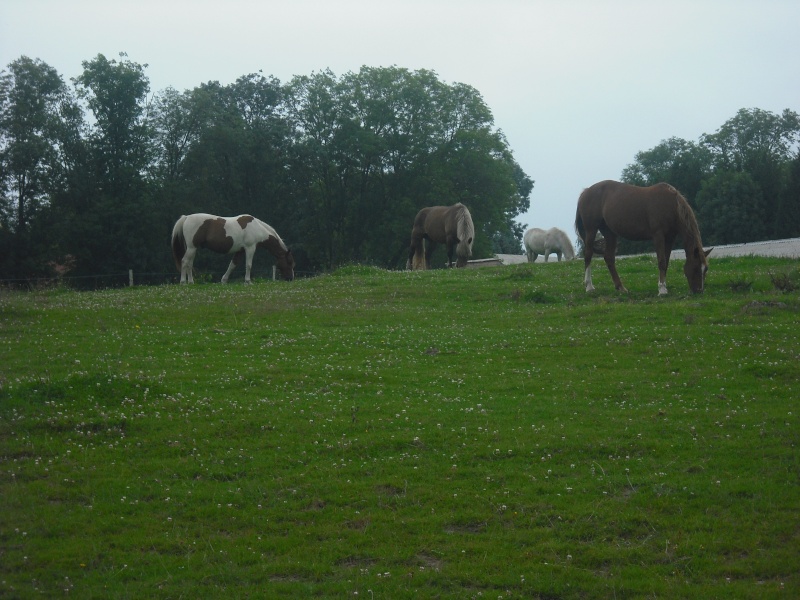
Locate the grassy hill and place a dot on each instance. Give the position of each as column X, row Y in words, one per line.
column 454, row 434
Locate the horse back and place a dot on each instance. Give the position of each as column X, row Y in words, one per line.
column 430, row 222
column 534, row 238
column 218, row 234
column 632, row 212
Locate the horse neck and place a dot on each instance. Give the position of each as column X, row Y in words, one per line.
column 274, row 245
column 688, row 223
column 268, row 234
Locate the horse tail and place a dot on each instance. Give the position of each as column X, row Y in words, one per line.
column 178, row 242
column 579, row 228
column 465, row 231
column 418, row 262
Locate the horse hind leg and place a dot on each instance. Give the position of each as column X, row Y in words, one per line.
column 186, row 266
column 588, row 252
column 248, row 262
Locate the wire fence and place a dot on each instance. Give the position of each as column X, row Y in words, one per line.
column 131, row 278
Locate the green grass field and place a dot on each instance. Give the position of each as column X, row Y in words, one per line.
column 488, row 433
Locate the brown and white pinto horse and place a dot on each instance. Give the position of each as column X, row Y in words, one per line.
column 659, row 213
column 239, row 236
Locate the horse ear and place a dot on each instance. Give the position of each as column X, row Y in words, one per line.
column 707, row 252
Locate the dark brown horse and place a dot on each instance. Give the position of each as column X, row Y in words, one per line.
column 450, row 225
column 659, row 213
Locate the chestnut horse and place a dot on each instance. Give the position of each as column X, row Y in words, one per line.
column 450, row 225
column 659, row 213
column 239, row 236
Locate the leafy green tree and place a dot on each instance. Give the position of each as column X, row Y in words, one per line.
column 119, row 229
column 761, row 144
column 682, row 164
column 678, row 162
column 30, row 93
column 177, row 125
column 375, row 146
column 730, row 209
column 32, row 97
column 788, row 222
column 742, row 171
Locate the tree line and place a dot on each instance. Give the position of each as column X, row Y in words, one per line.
column 743, row 181
column 93, row 175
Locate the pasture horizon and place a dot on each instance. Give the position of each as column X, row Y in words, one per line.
column 467, row 433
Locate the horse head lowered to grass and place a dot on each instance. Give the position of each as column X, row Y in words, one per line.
column 659, row 213
column 239, row 236
column 450, row 225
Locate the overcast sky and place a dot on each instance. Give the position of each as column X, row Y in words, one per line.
column 578, row 87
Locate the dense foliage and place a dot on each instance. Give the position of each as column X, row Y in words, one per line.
column 93, row 176
column 742, row 181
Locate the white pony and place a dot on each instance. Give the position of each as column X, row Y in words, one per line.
column 239, row 236
column 538, row 241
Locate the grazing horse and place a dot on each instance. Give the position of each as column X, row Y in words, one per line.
column 538, row 241
column 450, row 225
column 659, row 213
column 239, row 236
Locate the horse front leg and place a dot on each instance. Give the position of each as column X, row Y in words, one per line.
column 610, row 257
column 663, row 251
column 429, row 248
column 248, row 262
column 663, row 263
column 237, row 258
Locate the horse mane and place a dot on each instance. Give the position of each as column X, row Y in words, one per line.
column 271, row 231
column 689, row 227
column 465, row 230
column 579, row 226
column 564, row 241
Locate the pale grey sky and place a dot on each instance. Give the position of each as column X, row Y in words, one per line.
column 577, row 86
